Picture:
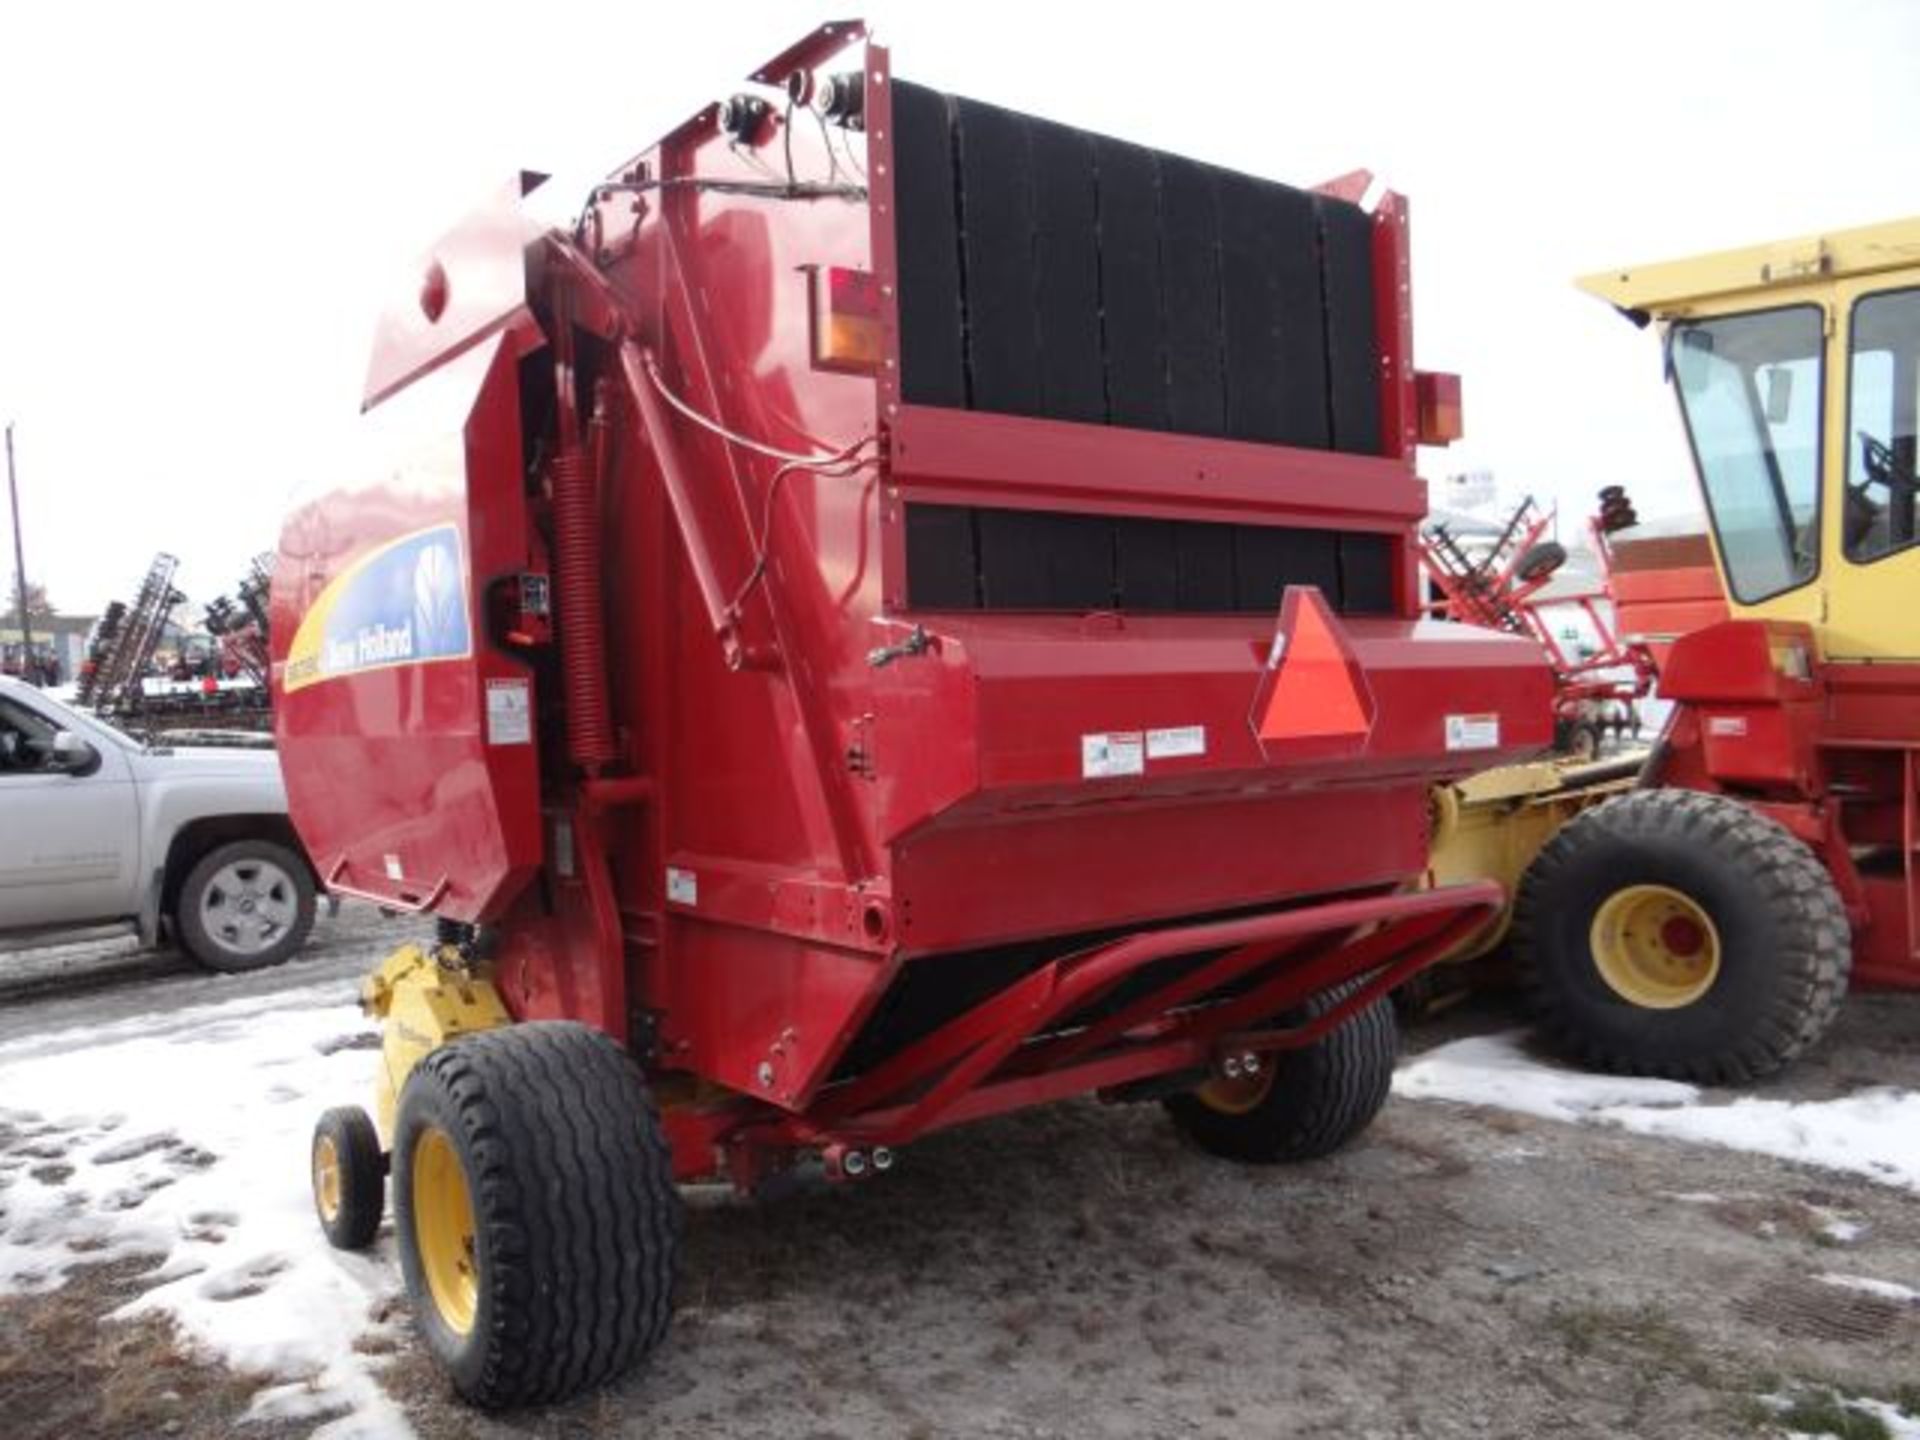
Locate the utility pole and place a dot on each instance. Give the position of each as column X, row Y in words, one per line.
column 19, row 562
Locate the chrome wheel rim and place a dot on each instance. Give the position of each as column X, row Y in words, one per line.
column 249, row 906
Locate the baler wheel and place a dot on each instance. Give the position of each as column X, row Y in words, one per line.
column 1304, row 1103
column 538, row 1222
column 1681, row 934
column 349, row 1177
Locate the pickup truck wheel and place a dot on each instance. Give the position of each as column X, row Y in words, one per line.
column 245, row 906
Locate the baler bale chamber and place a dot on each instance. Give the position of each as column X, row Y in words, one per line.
column 902, row 611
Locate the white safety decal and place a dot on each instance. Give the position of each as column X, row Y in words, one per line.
column 509, row 712
column 1174, row 743
column 1473, row 732
column 1120, row 752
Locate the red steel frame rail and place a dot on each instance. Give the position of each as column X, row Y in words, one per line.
column 998, row 1056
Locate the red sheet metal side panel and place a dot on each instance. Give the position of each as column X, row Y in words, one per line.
column 1873, row 703
column 960, row 885
column 1657, row 607
column 471, row 285
column 382, row 665
column 1032, row 691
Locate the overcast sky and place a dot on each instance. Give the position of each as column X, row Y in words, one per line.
column 204, row 204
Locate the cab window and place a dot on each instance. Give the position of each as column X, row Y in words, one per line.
column 1883, row 395
column 1749, row 388
column 26, row 739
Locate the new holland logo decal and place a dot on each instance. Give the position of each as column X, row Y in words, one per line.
column 404, row 603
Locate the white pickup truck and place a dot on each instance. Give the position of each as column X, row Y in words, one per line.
column 97, row 829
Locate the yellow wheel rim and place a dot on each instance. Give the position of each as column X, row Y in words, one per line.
column 326, row 1178
column 1240, row 1095
column 443, row 1232
column 1655, row 947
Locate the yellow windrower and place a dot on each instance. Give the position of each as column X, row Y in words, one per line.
column 1491, row 825
column 1850, row 572
column 422, row 1003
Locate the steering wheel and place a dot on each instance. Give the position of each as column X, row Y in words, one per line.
column 1876, row 458
column 1863, row 512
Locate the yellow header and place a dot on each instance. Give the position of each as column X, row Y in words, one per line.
column 1672, row 286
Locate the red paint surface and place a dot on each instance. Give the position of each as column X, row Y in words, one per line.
column 830, row 821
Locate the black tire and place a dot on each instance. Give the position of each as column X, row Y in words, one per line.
column 1316, row 1098
column 1578, row 739
column 222, row 938
column 351, row 1206
column 1778, row 926
column 1540, row 561
column 576, row 1222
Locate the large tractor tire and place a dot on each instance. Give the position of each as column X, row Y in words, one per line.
column 1303, row 1103
column 538, row 1223
column 1679, row 934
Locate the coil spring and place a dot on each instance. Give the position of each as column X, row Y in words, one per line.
column 583, row 640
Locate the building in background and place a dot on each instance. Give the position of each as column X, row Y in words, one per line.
column 64, row 635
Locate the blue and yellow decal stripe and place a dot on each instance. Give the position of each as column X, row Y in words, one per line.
column 401, row 603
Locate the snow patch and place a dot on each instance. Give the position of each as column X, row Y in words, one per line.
column 1494, row 1070
column 1899, row 1425
column 186, row 1135
column 1885, row 1289
column 1873, row 1132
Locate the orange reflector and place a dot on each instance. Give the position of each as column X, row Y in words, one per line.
column 1438, row 395
column 846, row 320
column 1316, row 691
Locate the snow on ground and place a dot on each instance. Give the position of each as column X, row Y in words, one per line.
column 186, row 1134
column 1885, row 1289
column 1897, row 1423
column 1873, row 1132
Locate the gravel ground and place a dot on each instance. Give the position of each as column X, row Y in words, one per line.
column 1077, row 1271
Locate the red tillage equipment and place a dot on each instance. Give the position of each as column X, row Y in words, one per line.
column 902, row 612
column 1510, row 586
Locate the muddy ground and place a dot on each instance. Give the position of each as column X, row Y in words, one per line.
column 1079, row 1272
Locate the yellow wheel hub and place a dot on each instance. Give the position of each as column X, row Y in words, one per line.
column 326, row 1178
column 1655, row 947
column 1240, row 1094
column 443, row 1232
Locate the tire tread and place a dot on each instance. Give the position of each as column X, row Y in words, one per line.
column 573, row 1181
column 1792, row 883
